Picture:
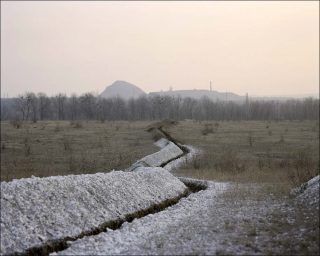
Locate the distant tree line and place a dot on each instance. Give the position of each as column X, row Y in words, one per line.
column 30, row 106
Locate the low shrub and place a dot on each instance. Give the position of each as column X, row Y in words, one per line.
column 76, row 124
column 16, row 123
column 208, row 128
column 304, row 168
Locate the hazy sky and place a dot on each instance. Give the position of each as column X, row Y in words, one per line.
column 263, row 48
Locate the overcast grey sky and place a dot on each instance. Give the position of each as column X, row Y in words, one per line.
column 263, row 48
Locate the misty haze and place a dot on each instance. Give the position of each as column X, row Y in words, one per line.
column 168, row 128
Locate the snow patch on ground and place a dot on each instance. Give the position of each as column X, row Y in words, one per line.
column 37, row 210
column 161, row 143
column 308, row 193
column 217, row 220
column 168, row 151
column 210, row 221
column 159, row 233
column 184, row 160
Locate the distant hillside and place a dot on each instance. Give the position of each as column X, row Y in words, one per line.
column 122, row 89
column 127, row 90
column 198, row 94
column 228, row 96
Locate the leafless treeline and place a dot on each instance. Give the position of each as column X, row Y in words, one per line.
column 41, row 107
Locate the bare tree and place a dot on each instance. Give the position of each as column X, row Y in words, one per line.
column 30, row 106
column 88, row 105
column 142, row 108
column 44, row 104
column 23, row 106
column 102, row 109
column 33, row 106
column 60, row 102
column 74, row 107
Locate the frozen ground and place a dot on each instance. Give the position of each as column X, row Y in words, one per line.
column 223, row 218
column 212, row 222
column 35, row 211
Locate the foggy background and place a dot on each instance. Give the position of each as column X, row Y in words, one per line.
column 263, row 48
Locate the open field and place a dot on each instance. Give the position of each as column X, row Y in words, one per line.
column 264, row 161
column 259, row 161
column 60, row 147
column 260, row 151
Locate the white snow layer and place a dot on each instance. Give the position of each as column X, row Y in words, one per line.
column 168, row 152
column 308, row 193
column 184, row 160
column 211, row 222
column 37, row 210
column 157, row 233
column 161, row 143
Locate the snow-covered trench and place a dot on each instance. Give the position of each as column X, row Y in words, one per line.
column 172, row 155
column 40, row 215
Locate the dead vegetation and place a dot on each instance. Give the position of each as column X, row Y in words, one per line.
column 49, row 148
column 16, row 123
column 264, row 161
column 284, row 153
column 208, row 128
column 76, row 124
column 264, row 213
column 303, row 166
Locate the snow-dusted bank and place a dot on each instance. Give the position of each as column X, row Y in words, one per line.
column 183, row 160
column 40, row 211
column 169, row 232
column 169, row 151
column 209, row 222
column 170, row 157
column 308, row 193
column 91, row 214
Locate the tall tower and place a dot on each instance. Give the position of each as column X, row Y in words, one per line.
column 210, row 86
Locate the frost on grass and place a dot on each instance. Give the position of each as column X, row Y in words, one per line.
column 35, row 211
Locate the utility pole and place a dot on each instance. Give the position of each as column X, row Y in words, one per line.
column 210, row 86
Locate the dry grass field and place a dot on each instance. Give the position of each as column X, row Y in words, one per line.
column 61, row 147
column 264, row 160
column 253, row 151
column 261, row 151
